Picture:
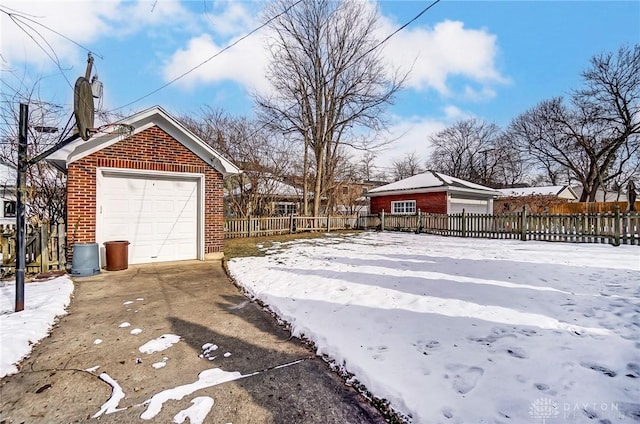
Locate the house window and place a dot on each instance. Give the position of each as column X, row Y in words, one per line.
column 406, row 207
column 345, row 190
column 285, row 208
column 9, row 208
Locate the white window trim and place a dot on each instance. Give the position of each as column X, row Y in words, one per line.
column 393, row 207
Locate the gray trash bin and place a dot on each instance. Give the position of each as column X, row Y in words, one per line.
column 86, row 259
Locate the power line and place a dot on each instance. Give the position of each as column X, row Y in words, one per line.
column 422, row 12
column 406, row 24
column 253, row 31
column 24, row 16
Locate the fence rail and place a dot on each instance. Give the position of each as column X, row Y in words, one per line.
column 613, row 228
column 44, row 247
column 268, row 226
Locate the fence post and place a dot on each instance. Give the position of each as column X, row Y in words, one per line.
column 523, row 224
column 382, row 220
column 464, row 223
column 616, row 225
column 44, row 247
column 5, row 246
column 328, row 223
column 62, row 243
column 249, row 225
column 291, row 225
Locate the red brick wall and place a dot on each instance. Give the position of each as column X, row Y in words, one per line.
column 426, row 202
column 152, row 149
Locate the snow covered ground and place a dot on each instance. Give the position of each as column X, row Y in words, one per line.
column 459, row 330
column 44, row 301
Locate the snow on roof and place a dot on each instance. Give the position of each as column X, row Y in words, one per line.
column 545, row 191
column 430, row 180
column 528, row 191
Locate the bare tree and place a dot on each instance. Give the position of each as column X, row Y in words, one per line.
column 265, row 158
column 596, row 138
column 328, row 77
column 406, row 167
column 366, row 165
column 45, row 198
column 474, row 150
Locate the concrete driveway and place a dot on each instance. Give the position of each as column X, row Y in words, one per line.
column 196, row 301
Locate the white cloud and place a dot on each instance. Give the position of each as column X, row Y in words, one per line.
column 245, row 65
column 82, row 22
column 233, row 20
column 411, row 134
column 436, row 54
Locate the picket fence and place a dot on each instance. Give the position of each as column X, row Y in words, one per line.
column 612, row 228
column 44, row 247
column 268, row 226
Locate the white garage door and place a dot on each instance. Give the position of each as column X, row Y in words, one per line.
column 158, row 216
column 456, row 205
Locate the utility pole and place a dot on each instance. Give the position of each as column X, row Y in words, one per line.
column 24, row 163
column 20, row 223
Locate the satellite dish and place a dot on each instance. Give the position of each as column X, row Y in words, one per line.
column 83, row 107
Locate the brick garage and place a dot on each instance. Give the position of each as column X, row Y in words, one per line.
column 434, row 193
column 161, row 188
column 425, row 202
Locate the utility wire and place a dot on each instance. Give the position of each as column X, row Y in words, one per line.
column 422, row 12
column 24, row 16
column 210, row 58
column 387, row 38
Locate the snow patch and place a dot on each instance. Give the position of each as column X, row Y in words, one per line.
column 19, row 331
column 117, row 394
column 197, row 412
column 161, row 343
column 207, row 378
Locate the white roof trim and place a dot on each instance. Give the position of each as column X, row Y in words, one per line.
column 155, row 116
column 433, row 182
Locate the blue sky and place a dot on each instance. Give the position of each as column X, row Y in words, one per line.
column 487, row 59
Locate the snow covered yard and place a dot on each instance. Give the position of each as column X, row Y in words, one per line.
column 459, row 330
column 44, row 301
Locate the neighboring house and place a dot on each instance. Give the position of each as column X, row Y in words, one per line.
column 561, row 192
column 270, row 197
column 602, row 195
column 535, row 199
column 160, row 188
column 432, row 192
column 351, row 198
column 8, row 178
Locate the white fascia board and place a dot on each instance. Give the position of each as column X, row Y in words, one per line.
column 448, row 189
column 483, row 193
column 144, row 120
column 417, row 190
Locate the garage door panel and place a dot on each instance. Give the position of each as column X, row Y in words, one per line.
column 456, row 205
column 159, row 217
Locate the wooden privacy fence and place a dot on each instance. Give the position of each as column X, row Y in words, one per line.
column 613, row 228
column 268, row 226
column 44, row 247
column 590, row 207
